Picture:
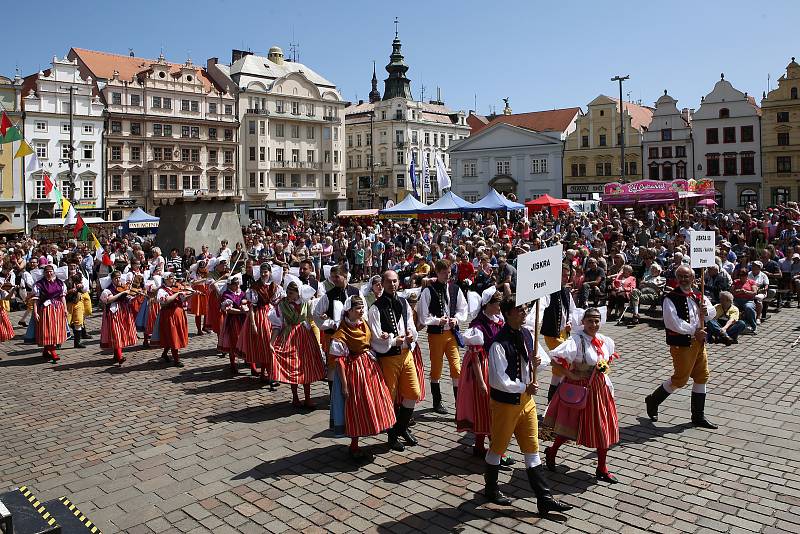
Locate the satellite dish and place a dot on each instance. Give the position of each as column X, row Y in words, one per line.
column 389, row 204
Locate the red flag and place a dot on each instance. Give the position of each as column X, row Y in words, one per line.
column 79, row 224
column 5, row 124
column 48, row 185
column 107, row 259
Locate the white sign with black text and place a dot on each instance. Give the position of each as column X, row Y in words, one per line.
column 538, row 273
column 701, row 249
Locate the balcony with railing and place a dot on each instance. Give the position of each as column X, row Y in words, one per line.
column 257, row 111
column 282, row 164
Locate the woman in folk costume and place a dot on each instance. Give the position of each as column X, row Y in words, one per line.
column 151, row 314
column 584, row 360
column 297, row 356
column 368, row 405
column 173, row 327
column 234, row 309
column 118, row 327
column 214, row 314
column 372, row 290
column 50, row 313
column 198, row 305
column 255, row 341
column 7, row 282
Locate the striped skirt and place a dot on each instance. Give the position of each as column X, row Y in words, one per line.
column 52, row 326
column 420, row 366
column 6, row 329
column 118, row 330
column 597, row 423
column 153, row 307
column 213, row 313
column 173, row 328
column 255, row 344
column 231, row 329
column 198, row 305
column 297, row 357
column 368, row 408
column 136, row 303
column 472, row 404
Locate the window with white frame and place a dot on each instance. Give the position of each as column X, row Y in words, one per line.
column 41, row 150
column 311, row 180
column 470, row 168
column 156, row 102
column 279, row 107
column 87, row 189
column 309, row 132
column 280, row 180
column 136, row 100
column 262, row 183
column 65, row 151
column 116, row 182
column 295, row 131
column 471, row 196
column 88, row 151
column 41, row 126
column 212, row 108
column 279, row 130
column 38, row 193
column 65, row 127
column 88, row 129
column 116, row 99
column 538, row 166
column 295, row 108
column 504, row 166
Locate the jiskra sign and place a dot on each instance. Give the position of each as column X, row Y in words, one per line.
column 701, row 249
column 538, row 273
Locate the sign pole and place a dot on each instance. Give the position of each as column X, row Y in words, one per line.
column 535, row 341
column 702, row 303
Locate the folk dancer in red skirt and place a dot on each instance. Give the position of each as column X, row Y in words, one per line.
column 118, row 327
column 173, row 328
column 255, row 341
column 50, row 313
column 198, row 305
column 368, row 405
column 7, row 282
column 297, row 358
column 234, row 308
column 213, row 312
column 151, row 290
column 584, row 359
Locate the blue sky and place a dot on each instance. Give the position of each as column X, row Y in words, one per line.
column 541, row 54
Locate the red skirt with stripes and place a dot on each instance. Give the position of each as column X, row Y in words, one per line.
column 153, row 307
column 52, row 326
column 173, row 328
column 296, row 357
column 417, row 353
column 6, row 329
column 255, row 343
column 472, row 404
column 597, row 422
column 198, row 305
column 118, row 330
column 232, row 324
column 213, row 313
column 368, row 408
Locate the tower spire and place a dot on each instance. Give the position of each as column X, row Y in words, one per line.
column 374, row 94
column 397, row 84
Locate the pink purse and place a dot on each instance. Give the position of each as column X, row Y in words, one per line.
column 572, row 395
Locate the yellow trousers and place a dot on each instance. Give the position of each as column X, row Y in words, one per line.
column 518, row 420
column 6, row 305
column 553, row 342
column 441, row 345
column 689, row 362
column 76, row 312
column 400, row 374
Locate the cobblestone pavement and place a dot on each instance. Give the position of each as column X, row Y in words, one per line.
column 150, row 448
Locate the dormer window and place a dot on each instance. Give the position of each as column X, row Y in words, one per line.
column 724, row 113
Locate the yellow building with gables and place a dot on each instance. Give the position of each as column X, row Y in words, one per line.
column 780, row 139
column 11, row 201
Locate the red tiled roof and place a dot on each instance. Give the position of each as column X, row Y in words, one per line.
column 103, row 64
column 641, row 116
column 556, row 120
column 476, row 122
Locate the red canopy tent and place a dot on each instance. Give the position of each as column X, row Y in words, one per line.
column 556, row 205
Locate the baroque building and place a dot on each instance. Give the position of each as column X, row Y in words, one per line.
column 780, row 139
column 11, row 170
column 667, row 143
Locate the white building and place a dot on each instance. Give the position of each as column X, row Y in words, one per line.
column 292, row 129
column 668, row 142
column 46, row 101
column 727, row 136
column 517, row 154
column 385, row 134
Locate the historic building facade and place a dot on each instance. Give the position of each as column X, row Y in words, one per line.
column 171, row 131
column 389, row 131
column 11, row 170
column 592, row 150
column 61, row 107
column 291, row 134
column 727, row 131
column 515, row 154
column 780, row 139
column 667, row 142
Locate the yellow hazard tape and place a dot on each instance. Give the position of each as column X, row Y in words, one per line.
column 38, row 506
column 82, row 518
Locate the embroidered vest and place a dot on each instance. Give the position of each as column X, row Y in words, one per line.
column 681, row 302
column 517, row 344
column 554, row 312
column 391, row 311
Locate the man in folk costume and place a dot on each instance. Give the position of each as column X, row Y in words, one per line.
column 391, row 322
column 82, row 307
column 173, row 327
column 307, row 276
column 368, row 405
column 558, row 307
column 686, row 336
column 440, row 308
column 255, row 341
column 50, row 313
column 512, row 364
column 118, row 327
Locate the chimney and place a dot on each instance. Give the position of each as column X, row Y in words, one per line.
column 360, row 102
column 130, row 52
column 236, row 55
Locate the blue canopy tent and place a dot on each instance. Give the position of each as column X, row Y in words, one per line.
column 407, row 208
column 141, row 222
column 448, row 203
column 494, row 201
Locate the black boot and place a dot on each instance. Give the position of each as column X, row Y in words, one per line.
column 403, row 418
column 84, row 333
column 76, row 338
column 653, row 400
column 544, row 499
column 698, row 412
column 551, row 392
column 455, row 394
column 392, row 433
column 491, row 492
column 437, row 399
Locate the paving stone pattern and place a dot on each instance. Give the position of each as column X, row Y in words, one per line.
column 151, row 448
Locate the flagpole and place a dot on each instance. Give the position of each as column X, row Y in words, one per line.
column 24, row 193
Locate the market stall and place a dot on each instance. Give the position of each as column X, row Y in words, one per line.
column 54, row 229
column 650, row 192
column 494, row 201
column 555, row 205
column 346, row 217
column 140, row 222
column 408, row 208
column 449, row 206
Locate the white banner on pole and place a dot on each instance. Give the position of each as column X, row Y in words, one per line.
column 701, row 249
column 538, row 273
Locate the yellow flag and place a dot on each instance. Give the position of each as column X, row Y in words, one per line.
column 97, row 244
column 65, row 206
column 23, row 150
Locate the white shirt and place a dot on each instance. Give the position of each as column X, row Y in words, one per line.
column 423, row 307
column 404, row 325
column 676, row 324
column 498, row 379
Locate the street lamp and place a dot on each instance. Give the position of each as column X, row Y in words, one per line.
column 621, row 79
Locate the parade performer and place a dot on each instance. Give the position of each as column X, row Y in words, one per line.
column 555, row 329
column 198, row 305
column 214, row 314
column 441, row 307
column 393, row 338
column 79, row 302
column 472, row 405
column 584, row 361
column 152, row 306
column 234, row 309
column 412, row 297
column 50, row 313
column 512, row 384
column 296, row 356
column 686, row 336
column 118, row 327
column 255, row 340
column 173, row 327
column 368, row 405
column 7, row 281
